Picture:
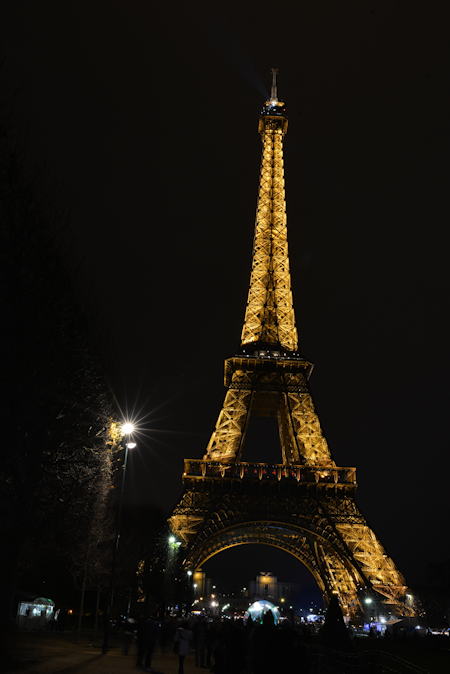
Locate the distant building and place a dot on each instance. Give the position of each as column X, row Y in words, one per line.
column 201, row 584
column 267, row 586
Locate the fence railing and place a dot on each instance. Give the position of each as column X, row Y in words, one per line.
column 243, row 470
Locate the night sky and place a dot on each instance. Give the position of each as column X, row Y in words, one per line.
column 139, row 119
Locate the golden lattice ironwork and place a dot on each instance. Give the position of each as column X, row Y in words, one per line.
column 269, row 386
column 269, row 316
column 305, row 504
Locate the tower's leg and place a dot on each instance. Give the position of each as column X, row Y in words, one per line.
column 375, row 568
column 339, row 579
column 373, row 561
column 310, row 442
column 226, row 440
column 288, row 441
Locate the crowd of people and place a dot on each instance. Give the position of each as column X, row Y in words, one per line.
column 237, row 646
column 221, row 646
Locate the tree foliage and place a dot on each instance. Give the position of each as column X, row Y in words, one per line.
column 56, row 469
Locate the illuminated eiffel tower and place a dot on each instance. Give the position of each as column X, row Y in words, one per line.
column 305, row 504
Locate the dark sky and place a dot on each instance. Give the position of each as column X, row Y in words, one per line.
column 140, row 118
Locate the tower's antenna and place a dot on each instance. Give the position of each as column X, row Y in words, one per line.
column 274, row 93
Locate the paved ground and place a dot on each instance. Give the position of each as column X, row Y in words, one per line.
column 50, row 653
column 62, row 654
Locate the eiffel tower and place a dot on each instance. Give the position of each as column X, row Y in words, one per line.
column 304, row 505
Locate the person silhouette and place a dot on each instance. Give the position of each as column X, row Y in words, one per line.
column 182, row 644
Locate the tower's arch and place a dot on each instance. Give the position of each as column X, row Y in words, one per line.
column 274, row 543
column 328, row 565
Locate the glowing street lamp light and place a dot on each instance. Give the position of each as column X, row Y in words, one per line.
column 172, row 540
column 131, row 445
column 189, row 573
column 128, row 428
column 368, row 600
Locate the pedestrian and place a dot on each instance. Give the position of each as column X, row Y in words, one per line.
column 200, row 642
column 147, row 636
column 164, row 636
column 265, row 654
column 210, row 642
column 128, row 628
column 182, row 644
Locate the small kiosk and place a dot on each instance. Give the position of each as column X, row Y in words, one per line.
column 35, row 614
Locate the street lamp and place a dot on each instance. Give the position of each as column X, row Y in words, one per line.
column 127, row 428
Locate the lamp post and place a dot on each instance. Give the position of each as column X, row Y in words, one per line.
column 127, row 430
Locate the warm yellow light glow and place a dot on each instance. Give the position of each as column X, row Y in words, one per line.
column 128, row 428
column 269, row 316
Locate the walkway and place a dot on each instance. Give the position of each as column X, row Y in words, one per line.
column 61, row 654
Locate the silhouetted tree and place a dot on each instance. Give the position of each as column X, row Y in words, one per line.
column 56, row 470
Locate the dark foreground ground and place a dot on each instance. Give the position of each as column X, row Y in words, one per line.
column 68, row 654
column 49, row 653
